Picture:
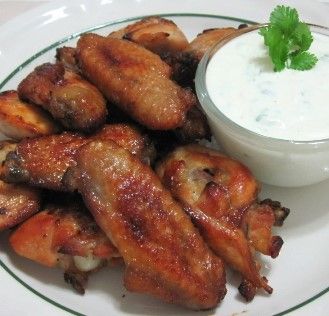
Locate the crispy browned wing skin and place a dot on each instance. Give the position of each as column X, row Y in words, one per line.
column 64, row 237
column 38, row 85
column 77, row 104
column 73, row 101
column 19, row 119
column 135, row 79
column 66, row 56
column 164, row 254
column 130, row 138
column 208, row 38
column 258, row 221
column 157, row 34
column 17, row 203
column 217, row 191
column 6, row 146
column 280, row 212
column 43, row 161
column 194, row 128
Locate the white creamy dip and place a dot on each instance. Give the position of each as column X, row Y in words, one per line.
column 291, row 105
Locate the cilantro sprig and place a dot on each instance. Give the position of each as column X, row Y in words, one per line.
column 288, row 40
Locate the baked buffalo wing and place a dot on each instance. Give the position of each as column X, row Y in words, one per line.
column 19, row 119
column 220, row 195
column 70, row 99
column 134, row 79
column 43, row 161
column 163, row 252
column 67, row 238
column 157, row 34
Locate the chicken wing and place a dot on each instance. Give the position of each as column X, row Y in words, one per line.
column 71, row 100
column 134, row 79
column 43, row 161
column 67, row 238
column 19, row 119
column 220, row 195
column 164, row 254
column 157, row 34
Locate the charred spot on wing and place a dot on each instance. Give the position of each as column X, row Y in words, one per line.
column 184, row 67
column 12, row 169
column 78, row 280
column 137, row 227
column 3, row 211
column 276, row 246
column 280, row 212
column 67, row 56
column 247, row 290
column 194, row 128
column 69, row 179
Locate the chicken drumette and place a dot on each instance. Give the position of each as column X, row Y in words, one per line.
column 65, row 237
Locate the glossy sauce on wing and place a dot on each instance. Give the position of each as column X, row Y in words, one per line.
column 136, row 80
column 164, row 254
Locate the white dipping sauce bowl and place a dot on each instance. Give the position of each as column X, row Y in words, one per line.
column 274, row 161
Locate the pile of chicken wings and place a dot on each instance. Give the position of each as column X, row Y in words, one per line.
column 102, row 167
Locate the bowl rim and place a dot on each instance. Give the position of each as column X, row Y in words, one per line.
column 209, row 106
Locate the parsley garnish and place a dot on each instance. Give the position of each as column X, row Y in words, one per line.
column 288, row 40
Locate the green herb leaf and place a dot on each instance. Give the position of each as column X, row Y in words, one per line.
column 287, row 38
column 303, row 61
column 277, row 48
column 284, row 18
column 302, row 36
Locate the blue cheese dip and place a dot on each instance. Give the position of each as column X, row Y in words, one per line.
column 289, row 105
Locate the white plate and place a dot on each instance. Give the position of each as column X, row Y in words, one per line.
column 299, row 276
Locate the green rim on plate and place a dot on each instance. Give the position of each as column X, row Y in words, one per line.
column 75, row 35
